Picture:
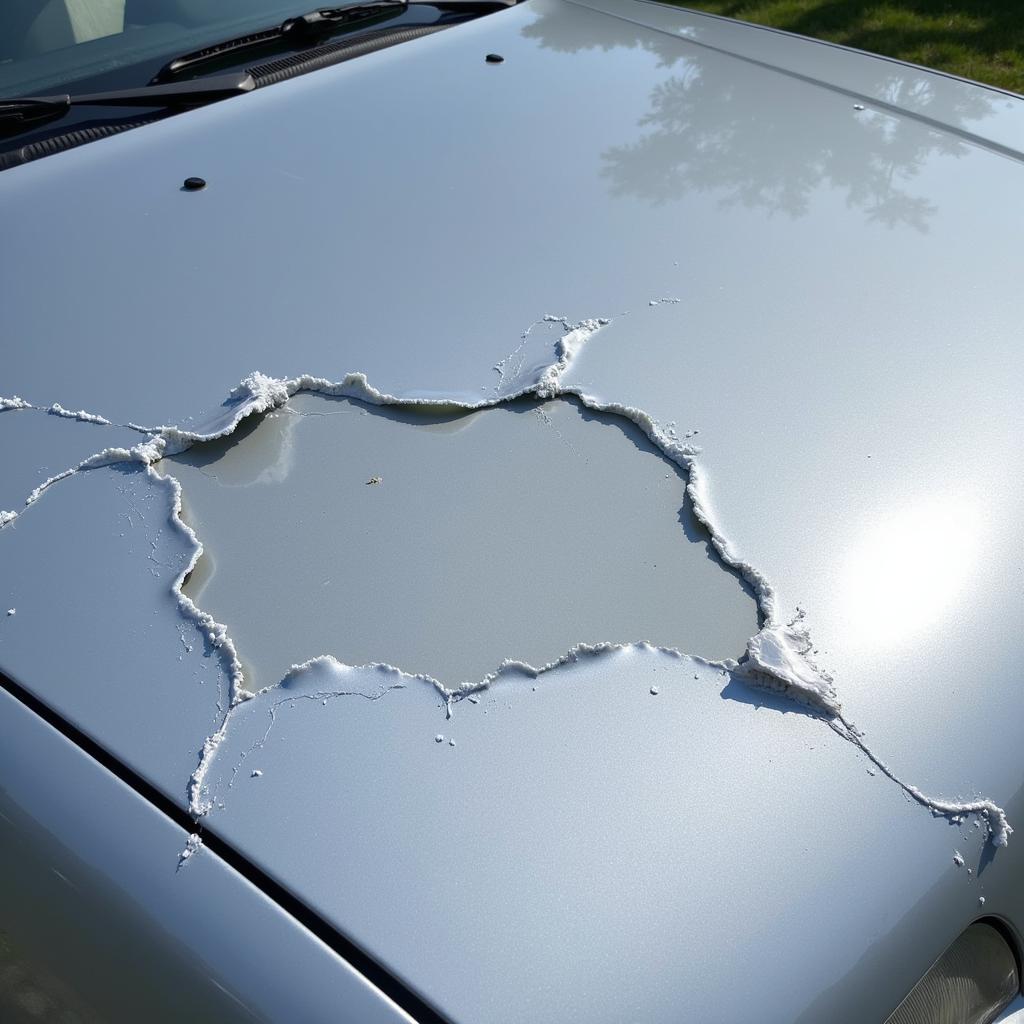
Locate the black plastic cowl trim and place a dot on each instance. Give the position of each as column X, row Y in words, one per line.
column 267, row 73
column 69, row 140
column 277, row 70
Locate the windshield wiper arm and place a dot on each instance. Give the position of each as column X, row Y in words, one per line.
column 17, row 115
column 307, row 29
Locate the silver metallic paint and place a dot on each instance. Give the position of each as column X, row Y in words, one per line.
column 94, row 897
column 847, row 343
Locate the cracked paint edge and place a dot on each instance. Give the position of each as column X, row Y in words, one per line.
column 777, row 655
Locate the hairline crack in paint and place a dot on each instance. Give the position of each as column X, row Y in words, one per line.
column 777, row 655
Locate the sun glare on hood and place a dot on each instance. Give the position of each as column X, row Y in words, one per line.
column 909, row 569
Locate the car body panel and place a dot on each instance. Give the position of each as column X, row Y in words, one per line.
column 843, row 330
column 129, row 931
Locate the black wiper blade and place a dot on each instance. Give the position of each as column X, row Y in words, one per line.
column 330, row 19
column 299, row 32
column 23, row 113
column 308, row 29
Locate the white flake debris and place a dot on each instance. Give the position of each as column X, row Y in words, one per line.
column 192, row 847
column 37, row 492
column 654, row 691
column 374, row 480
column 81, row 415
column 989, row 813
column 439, row 738
column 512, row 365
column 14, row 402
column 567, row 349
column 198, row 805
column 777, row 657
column 255, row 773
column 958, row 859
column 981, row 901
column 451, row 743
column 12, row 611
column 779, row 654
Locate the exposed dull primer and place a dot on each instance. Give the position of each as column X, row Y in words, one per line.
column 777, row 657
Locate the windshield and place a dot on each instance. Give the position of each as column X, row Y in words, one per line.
column 47, row 44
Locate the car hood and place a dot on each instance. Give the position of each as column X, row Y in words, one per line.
column 789, row 269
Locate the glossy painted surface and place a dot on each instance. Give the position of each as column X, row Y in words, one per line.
column 846, row 341
column 101, row 922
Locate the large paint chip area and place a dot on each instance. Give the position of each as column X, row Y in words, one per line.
column 444, row 541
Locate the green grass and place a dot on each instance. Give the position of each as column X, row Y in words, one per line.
column 979, row 39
